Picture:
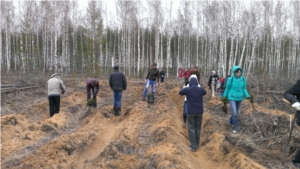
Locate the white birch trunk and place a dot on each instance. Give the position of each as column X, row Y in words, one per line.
column 128, row 49
column 278, row 60
column 7, row 46
column 82, row 55
column 252, row 57
column 55, row 50
column 236, row 51
column 156, row 45
column 169, row 60
column 143, row 50
column 100, row 49
column 231, row 60
column 138, row 52
column 106, row 51
column 161, row 52
column 242, row 55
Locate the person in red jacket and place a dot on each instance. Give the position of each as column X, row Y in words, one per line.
column 180, row 74
column 187, row 75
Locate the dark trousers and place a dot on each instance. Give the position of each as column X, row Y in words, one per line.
column 54, row 103
column 194, row 123
column 162, row 79
column 94, row 96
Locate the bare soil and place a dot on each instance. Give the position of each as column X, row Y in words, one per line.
column 144, row 136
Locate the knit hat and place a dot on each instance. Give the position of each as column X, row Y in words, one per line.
column 214, row 72
column 116, row 67
column 154, row 64
column 55, row 74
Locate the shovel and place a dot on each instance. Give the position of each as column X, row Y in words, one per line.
column 286, row 148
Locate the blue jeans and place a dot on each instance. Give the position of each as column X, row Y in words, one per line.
column 153, row 83
column 117, row 99
column 234, row 106
column 184, row 113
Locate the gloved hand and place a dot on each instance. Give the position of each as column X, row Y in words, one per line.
column 94, row 96
column 62, row 92
column 296, row 106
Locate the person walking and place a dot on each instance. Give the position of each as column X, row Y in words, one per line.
column 290, row 96
column 194, row 96
column 212, row 82
column 162, row 75
column 235, row 92
column 117, row 83
column 184, row 113
column 55, row 87
column 195, row 71
column 92, row 84
column 152, row 75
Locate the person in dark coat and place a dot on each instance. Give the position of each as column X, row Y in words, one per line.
column 92, row 84
column 213, row 77
column 118, row 83
column 196, row 71
column 290, row 96
column 153, row 79
column 194, row 97
column 162, row 75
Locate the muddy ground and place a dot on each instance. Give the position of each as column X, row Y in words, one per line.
column 145, row 136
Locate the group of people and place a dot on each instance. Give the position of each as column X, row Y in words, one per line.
column 117, row 82
column 234, row 88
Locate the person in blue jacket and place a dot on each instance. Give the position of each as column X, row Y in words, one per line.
column 235, row 92
column 194, row 98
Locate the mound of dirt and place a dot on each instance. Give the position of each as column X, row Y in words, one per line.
column 144, row 136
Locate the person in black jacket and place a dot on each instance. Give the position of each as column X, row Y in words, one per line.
column 162, row 75
column 213, row 77
column 152, row 75
column 194, row 98
column 290, row 96
column 118, row 83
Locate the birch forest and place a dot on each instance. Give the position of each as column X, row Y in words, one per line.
column 58, row 36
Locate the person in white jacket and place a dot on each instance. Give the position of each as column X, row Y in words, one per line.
column 55, row 87
column 184, row 113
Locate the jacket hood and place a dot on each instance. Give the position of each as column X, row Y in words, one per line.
column 234, row 68
column 192, row 76
column 193, row 81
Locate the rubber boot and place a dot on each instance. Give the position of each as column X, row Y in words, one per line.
column 118, row 112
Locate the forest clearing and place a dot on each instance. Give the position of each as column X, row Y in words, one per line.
column 143, row 136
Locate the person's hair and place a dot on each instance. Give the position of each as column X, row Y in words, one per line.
column 154, row 64
column 94, row 82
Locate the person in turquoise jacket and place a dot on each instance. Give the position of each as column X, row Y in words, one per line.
column 235, row 92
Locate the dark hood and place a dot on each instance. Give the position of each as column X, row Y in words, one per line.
column 193, row 81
